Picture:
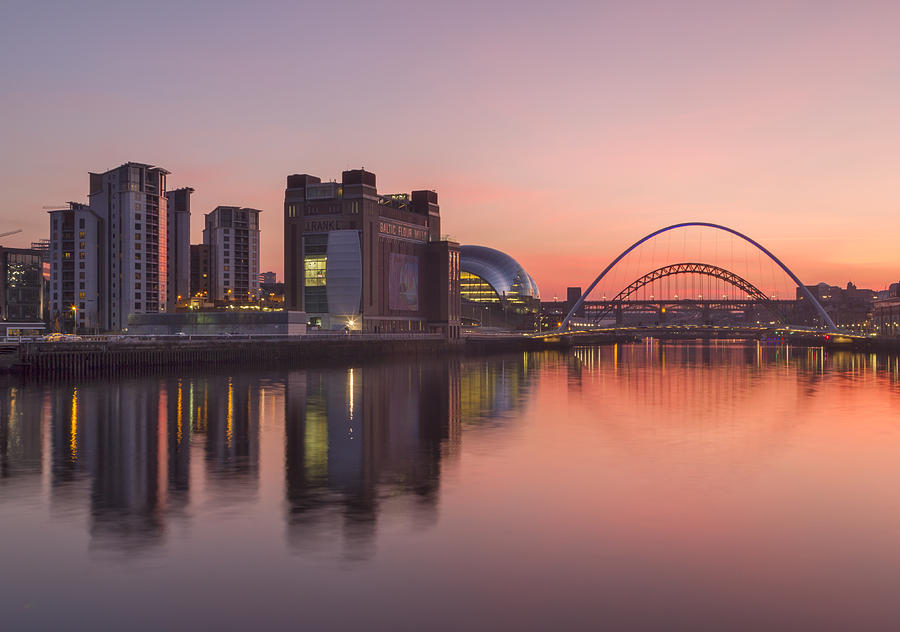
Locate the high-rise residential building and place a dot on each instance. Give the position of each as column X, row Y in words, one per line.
column 200, row 272
column 232, row 234
column 77, row 246
column 121, row 238
column 357, row 259
column 178, row 224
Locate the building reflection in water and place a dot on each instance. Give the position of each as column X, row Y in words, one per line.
column 131, row 455
column 357, row 435
column 359, row 444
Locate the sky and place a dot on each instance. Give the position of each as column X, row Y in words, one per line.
column 557, row 132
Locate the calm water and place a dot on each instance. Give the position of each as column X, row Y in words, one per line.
column 644, row 487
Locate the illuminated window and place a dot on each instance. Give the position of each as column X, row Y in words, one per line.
column 314, row 270
column 474, row 288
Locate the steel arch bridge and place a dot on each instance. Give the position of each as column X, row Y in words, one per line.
column 733, row 278
column 751, row 291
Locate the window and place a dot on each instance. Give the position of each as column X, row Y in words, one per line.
column 137, row 286
column 137, row 295
column 314, row 270
column 81, row 285
column 81, row 243
column 137, row 226
column 80, row 223
column 81, row 254
column 81, row 275
column 81, row 236
column 137, row 235
column 137, row 275
column 137, row 305
column 81, row 295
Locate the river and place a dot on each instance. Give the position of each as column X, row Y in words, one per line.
column 726, row 485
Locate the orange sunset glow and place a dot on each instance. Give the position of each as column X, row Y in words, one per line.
column 559, row 136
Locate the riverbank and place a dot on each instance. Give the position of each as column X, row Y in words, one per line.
column 139, row 356
column 117, row 356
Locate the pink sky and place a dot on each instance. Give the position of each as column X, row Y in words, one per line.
column 557, row 132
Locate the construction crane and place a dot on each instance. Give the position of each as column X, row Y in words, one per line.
column 12, row 232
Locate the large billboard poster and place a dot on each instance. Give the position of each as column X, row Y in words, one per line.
column 404, row 286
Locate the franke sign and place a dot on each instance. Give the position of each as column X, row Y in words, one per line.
column 326, row 225
column 403, row 231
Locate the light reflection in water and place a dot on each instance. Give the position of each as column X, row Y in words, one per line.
column 629, row 469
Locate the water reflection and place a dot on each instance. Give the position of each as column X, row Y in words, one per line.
column 722, row 483
column 132, row 454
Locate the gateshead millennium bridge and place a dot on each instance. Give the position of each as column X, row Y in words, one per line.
column 750, row 294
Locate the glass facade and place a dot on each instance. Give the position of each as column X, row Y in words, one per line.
column 503, row 273
column 473, row 288
column 24, row 281
column 315, row 297
column 495, row 290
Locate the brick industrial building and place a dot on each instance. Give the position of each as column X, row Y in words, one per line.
column 376, row 263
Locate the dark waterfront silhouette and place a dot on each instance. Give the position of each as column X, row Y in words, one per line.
column 652, row 483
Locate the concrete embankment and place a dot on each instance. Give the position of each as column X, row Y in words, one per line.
column 115, row 356
column 135, row 357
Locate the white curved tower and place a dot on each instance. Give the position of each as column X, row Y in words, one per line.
column 344, row 273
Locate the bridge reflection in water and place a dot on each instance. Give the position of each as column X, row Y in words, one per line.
column 344, row 444
column 654, row 482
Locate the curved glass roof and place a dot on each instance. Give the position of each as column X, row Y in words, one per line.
column 501, row 271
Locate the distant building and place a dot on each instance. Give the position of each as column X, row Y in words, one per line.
column 573, row 295
column 849, row 307
column 200, row 271
column 886, row 315
column 232, row 234
column 357, row 259
column 178, row 242
column 271, row 296
column 21, row 285
column 496, row 291
column 267, row 278
column 109, row 259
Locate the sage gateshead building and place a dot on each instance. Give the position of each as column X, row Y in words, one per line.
column 355, row 259
column 496, row 291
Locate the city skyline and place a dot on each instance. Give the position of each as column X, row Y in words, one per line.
column 559, row 138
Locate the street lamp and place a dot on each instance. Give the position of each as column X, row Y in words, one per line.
column 74, row 319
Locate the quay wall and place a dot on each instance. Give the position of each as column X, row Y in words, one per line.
column 119, row 357
column 115, row 357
